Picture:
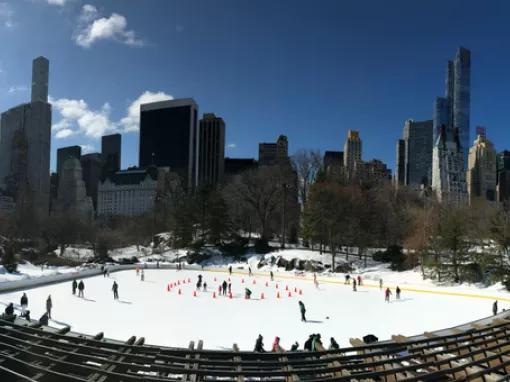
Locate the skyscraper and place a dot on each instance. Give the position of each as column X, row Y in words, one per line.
column 400, row 168
column 110, row 154
column 451, row 132
column 274, row 153
column 91, row 172
column 169, row 138
column 25, row 137
column 211, row 155
column 481, row 175
column 417, row 153
column 65, row 153
column 503, row 169
column 352, row 152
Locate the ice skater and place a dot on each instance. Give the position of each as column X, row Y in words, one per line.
column 224, row 288
column 142, row 276
column 315, row 282
column 302, row 309
column 271, row 274
column 259, row 345
column 229, row 288
column 230, row 270
column 495, row 307
column 380, row 284
column 115, row 289
column 347, row 279
column 247, row 293
column 205, row 287
column 387, row 295
column 249, row 272
column 397, row 292
column 74, row 285
column 81, row 288
column 24, row 303
column 354, row 289
column 359, row 280
column 49, row 305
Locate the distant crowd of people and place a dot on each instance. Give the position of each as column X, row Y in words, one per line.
column 313, row 343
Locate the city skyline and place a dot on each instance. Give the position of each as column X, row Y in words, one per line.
column 333, row 75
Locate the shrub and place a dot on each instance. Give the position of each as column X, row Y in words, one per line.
column 262, row 247
column 393, row 255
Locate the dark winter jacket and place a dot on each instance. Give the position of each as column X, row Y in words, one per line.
column 308, row 343
column 259, row 345
column 81, row 285
column 9, row 311
column 302, row 307
column 24, row 300
column 44, row 320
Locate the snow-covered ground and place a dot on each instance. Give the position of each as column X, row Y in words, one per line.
column 166, row 318
column 27, row 270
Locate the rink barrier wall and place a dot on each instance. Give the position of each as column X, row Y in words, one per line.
column 34, row 282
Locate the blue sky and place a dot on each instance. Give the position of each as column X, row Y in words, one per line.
column 307, row 69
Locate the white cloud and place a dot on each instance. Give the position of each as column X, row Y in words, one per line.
column 6, row 15
column 60, row 3
column 131, row 121
column 231, row 146
column 92, row 28
column 87, row 149
column 78, row 118
column 17, row 89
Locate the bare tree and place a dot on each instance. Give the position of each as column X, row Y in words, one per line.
column 306, row 163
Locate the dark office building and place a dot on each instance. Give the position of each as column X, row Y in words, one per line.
column 400, row 169
column 169, row 138
column 276, row 153
column 91, row 170
column 236, row 166
column 211, row 154
column 333, row 159
column 111, row 154
column 65, row 153
column 503, row 176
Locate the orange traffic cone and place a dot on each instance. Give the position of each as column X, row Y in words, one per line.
column 262, row 296
column 229, row 279
column 242, row 281
column 215, row 279
column 290, row 294
column 267, row 283
column 276, row 286
column 278, row 295
column 295, row 290
column 286, row 287
column 180, row 292
column 178, row 282
column 189, row 280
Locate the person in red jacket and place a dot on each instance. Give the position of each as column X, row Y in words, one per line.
column 276, row 346
column 387, row 295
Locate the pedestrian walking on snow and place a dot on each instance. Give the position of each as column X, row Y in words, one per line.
column 397, row 292
column 81, row 288
column 115, row 289
column 259, row 345
column 354, row 285
column 75, row 285
column 302, row 309
column 495, row 307
column 24, row 303
column 276, row 346
column 49, row 305
column 387, row 295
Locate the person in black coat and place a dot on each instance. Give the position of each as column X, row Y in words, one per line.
column 9, row 310
column 24, row 302
column 333, row 345
column 224, row 288
column 294, row 347
column 259, row 345
column 115, row 289
column 44, row 320
column 308, row 343
column 81, row 288
column 75, row 285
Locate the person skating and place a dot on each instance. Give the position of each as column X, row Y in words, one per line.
column 359, row 280
column 44, row 320
column 142, row 276
column 9, row 310
column 229, row 288
column 333, row 345
column 354, row 289
column 199, row 284
column 276, row 348
column 397, row 292
column 24, row 303
column 247, row 293
column 302, row 309
column 295, row 346
column 271, row 274
column 387, row 295
column 495, row 307
column 224, row 288
column 315, row 282
column 230, row 270
column 205, row 287
column 115, row 289
column 380, row 284
column 74, row 285
column 49, row 305
column 259, row 345
column 81, row 288
column 347, row 279
column 249, row 272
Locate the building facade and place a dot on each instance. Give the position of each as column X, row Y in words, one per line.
column 25, row 138
column 211, row 155
column 418, row 153
column 400, row 165
column 503, row 176
column 481, row 174
column 92, row 169
column 271, row 154
column 169, row 138
column 65, row 153
column 129, row 192
column 111, row 154
column 352, row 152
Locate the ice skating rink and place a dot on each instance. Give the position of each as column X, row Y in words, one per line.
column 166, row 318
